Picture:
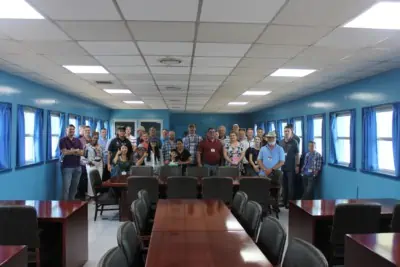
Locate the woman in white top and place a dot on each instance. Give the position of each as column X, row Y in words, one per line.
column 234, row 152
column 154, row 156
column 94, row 156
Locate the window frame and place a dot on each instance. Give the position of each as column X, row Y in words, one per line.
column 273, row 123
column 343, row 114
column 32, row 110
column 58, row 114
column 383, row 108
column 323, row 136
column 75, row 117
column 282, row 134
column 301, row 119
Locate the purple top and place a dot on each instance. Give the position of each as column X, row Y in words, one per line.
column 70, row 161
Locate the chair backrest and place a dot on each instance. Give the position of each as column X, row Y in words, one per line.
column 257, row 189
column 143, row 195
column 167, row 171
column 272, row 239
column 113, row 258
column 198, row 172
column 354, row 218
column 396, row 219
column 218, row 188
column 302, row 253
column 141, row 171
column 95, row 179
column 139, row 213
column 228, row 171
column 252, row 218
column 182, row 187
column 148, row 183
column 129, row 242
column 19, row 226
column 238, row 204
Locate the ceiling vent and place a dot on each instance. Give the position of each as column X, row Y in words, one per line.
column 104, row 82
column 173, row 88
column 169, row 61
column 174, row 100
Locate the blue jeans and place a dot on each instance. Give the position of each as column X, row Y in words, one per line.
column 70, row 178
column 212, row 169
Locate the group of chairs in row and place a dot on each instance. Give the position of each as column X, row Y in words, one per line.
column 269, row 235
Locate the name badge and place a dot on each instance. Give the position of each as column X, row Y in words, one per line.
column 269, row 158
column 212, row 150
column 310, row 170
column 285, row 154
column 123, row 173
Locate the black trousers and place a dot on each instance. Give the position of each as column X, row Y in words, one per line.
column 82, row 186
column 288, row 186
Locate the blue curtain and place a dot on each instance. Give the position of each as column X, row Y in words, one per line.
column 270, row 125
column 48, row 136
column 291, row 121
column 101, row 124
column 62, row 132
column 352, row 138
column 279, row 130
column 5, row 134
column 38, row 135
column 323, row 138
column 332, row 148
column 310, row 129
column 107, row 126
column 262, row 126
column 92, row 125
column 370, row 140
column 396, row 138
column 78, row 123
column 20, row 136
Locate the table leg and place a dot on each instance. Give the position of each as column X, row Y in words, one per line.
column 124, row 207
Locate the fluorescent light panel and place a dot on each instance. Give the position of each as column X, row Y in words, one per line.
column 382, row 16
column 117, row 91
column 86, row 69
column 237, row 103
column 18, row 9
column 133, row 102
column 256, row 93
column 292, row 72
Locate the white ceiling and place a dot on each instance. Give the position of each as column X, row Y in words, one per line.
column 226, row 48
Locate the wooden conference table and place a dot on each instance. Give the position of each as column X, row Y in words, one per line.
column 372, row 250
column 311, row 219
column 64, row 236
column 13, row 256
column 205, row 234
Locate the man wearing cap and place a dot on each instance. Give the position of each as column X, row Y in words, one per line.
column 116, row 144
column 140, row 130
column 210, row 152
column 192, row 141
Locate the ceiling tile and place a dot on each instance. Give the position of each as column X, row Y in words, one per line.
column 110, row 48
column 372, row 54
column 138, row 82
column 263, row 63
column 205, row 83
column 219, row 78
column 31, row 30
column 221, row 50
column 155, row 10
column 162, row 31
column 13, row 47
column 77, row 9
column 274, row 51
column 215, row 61
column 96, row 30
column 257, row 11
column 280, row 79
column 170, row 70
column 229, row 32
column 56, row 48
column 166, row 48
column 138, row 77
column 293, row 35
column 321, row 12
column 36, row 63
column 128, row 69
column 73, row 60
column 120, row 60
column 211, row 71
column 171, row 77
column 249, row 71
column 154, row 61
column 348, row 38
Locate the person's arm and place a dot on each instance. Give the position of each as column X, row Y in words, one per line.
column 260, row 160
column 304, row 165
column 318, row 164
column 242, row 154
column 140, row 161
column 251, row 160
column 297, row 159
column 115, row 160
column 226, row 156
column 80, row 151
column 281, row 159
column 198, row 154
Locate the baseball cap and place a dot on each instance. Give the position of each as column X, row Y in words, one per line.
column 270, row 134
column 140, row 128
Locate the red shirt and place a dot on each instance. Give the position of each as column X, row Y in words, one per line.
column 211, row 152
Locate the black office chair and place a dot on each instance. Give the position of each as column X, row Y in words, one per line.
column 130, row 244
column 218, row 188
column 140, row 218
column 143, row 195
column 396, row 219
column 182, row 187
column 352, row 218
column 301, row 253
column 238, row 204
column 228, row 171
column 167, row 171
column 271, row 240
column 141, row 171
column 113, row 258
column 19, row 226
column 198, row 172
column 251, row 219
column 101, row 198
column 148, row 183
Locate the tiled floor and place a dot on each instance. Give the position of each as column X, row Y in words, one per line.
column 103, row 233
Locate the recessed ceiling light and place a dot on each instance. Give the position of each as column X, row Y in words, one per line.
column 383, row 16
column 117, row 91
column 86, row 69
column 292, row 72
column 170, row 61
column 237, row 103
column 133, row 102
column 256, row 92
column 18, row 9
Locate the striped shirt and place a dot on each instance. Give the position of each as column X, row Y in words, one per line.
column 191, row 143
column 166, row 149
column 312, row 163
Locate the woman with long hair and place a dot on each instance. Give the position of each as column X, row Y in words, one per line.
column 253, row 155
column 94, row 156
column 234, row 152
column 122, row 162
column 154, row 155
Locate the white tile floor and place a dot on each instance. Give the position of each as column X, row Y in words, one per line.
column 103, row 233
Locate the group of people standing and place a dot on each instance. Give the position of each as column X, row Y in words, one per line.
column 259, row 155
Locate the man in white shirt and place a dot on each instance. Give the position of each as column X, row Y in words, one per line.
column 247, row 143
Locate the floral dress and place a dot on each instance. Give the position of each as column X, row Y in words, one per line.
column 234, row 153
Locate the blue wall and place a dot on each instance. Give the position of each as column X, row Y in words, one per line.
column 342, row 183
column 42, row 181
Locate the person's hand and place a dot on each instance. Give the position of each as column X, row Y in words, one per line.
column 256, row 169
column 268, row 172
column 166, row 162
column 119, row 152
column 316, row 173
column 297, row 170
column 200, row 165
column 180, row 162
column 91, row 163
column 109, row 167
column 145, row 154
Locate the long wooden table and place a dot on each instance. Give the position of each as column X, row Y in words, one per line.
column 205, row 234
column 311, row 219
column 13, row 256
column 64, row 236
column 372, row 250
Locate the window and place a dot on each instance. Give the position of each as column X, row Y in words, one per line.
column 87, row 121
column 98, row 127
column 5, row 136
column 55, row 133
column 384, row 139
column 73, row 120
column 298, row 129
column 271, row 126
column 343, row 149
column 29, row 122
column 281, row 128
column 317, row 122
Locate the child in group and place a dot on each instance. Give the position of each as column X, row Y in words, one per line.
column 174, row 155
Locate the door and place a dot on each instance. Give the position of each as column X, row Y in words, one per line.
column 147, row 124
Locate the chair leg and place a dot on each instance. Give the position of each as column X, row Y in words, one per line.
column 37, row 251
column 102, row 208
column 95, row 212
